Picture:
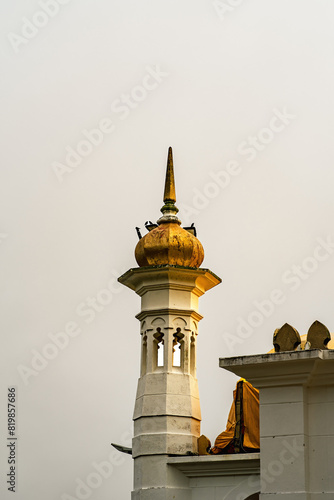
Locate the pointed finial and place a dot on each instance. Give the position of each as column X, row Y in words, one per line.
column 286, row 338
column 169, row 209
column 169, row 194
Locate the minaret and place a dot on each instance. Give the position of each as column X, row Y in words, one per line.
column 167, row 411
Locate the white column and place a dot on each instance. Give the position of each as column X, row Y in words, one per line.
column 167, row 411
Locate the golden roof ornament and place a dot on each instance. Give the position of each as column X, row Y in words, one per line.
column 287, row 338
column 169, row 244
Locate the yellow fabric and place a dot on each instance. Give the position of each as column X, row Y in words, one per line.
column 251, row 416
column 250, row 406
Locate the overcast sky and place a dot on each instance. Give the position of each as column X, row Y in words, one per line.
column 93, row 93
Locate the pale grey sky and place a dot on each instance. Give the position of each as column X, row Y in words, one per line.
column 242, row 91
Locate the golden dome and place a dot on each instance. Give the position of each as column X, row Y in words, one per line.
column 169, row 243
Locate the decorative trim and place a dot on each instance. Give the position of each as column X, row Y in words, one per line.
column 217, row 465
column 309, row 368
column 175, row 312
column 169, row 286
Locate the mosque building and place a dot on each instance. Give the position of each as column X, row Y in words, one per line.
column 279, row 439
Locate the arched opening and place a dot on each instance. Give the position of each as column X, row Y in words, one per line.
column 192, row 355
column 144, row 354
column 178, row 348
column 159, row 347
column 255, row 496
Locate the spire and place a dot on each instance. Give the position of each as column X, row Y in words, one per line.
column 169, row 194
column 169, row 209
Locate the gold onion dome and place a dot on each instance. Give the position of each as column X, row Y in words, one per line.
column 169, row 243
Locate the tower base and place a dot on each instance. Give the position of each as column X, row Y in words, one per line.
column 154, row 479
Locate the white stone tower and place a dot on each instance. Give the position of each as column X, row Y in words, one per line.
column 167, row 411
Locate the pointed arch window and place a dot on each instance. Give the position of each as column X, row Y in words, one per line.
column 144, row 354
column 178, row 348
column 159, row 347
column 192, row 355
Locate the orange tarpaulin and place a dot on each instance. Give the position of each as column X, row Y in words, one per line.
column 242, row 430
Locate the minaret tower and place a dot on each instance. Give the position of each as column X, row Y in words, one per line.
column 167, row 411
